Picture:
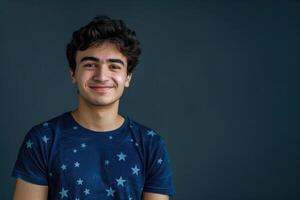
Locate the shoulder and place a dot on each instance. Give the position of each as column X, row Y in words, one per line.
column 46, row 127
column 147, row 135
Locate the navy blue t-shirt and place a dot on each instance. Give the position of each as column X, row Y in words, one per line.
column 77, row 163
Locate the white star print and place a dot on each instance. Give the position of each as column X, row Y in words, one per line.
column 75, row 127
column 77, row 164
column 45, row 124
column 79, row 181
column 106, row 162
column 45, row 139
column 121, row 156
column 63, row 193
column 74, row 150
column 29, row 144
column 83, row 145
column 135, row 170
column 86, row 191
column 63, row 167
column 120, row 181
column 77, row 199
column 159, row 161
column 152, row 133
column 110, row 137
column 129, row 198
column 110, row 192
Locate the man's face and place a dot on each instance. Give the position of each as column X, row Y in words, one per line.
column 101, row 74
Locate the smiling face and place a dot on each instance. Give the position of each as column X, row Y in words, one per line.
column 101, row 74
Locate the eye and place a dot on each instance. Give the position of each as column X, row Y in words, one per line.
column 115, row 67
column 89, row 65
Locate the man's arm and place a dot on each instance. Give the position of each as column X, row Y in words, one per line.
column 154, row 196
column 28, row 191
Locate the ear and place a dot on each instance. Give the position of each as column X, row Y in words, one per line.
column 128, row 78
column 72, row 76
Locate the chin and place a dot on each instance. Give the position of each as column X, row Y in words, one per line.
column 102, row 103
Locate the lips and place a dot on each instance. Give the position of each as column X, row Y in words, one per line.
column 101, row 87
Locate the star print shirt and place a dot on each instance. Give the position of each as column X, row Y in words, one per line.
column 77, row 163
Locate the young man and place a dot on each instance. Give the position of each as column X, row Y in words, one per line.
column 94, row 152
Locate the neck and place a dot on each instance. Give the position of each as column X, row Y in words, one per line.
column 98, row 118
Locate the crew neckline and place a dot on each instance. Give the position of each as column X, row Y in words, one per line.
column 76, row 126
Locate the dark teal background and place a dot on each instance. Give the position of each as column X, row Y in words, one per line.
column 219, row 81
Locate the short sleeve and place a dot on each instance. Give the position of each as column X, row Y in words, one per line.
column 31, row 163
column 158, row 169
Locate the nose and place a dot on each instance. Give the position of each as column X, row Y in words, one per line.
column 101, row 73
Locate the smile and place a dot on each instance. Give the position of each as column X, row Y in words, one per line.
column 101, row 88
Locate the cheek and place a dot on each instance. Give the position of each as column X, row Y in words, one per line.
column 121, row 80
column 118, row 77
column 82, row 82
column 83, row 77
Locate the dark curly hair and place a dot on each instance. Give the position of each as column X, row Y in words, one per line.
column 102, row 29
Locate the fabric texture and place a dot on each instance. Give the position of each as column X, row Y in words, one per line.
column 77, row 163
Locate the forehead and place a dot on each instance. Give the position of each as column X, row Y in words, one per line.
column 103, row 52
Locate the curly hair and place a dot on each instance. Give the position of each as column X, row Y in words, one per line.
column 102, row 29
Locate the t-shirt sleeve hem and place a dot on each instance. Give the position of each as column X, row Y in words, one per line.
column 158, row 190
column 30, row 179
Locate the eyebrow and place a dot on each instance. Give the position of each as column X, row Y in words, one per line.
column 91, row 58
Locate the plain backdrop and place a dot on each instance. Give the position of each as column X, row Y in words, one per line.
column 219, row 81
